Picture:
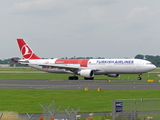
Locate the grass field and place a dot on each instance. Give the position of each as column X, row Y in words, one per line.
column 17, row 69
column 52, row 76
column 27, row 100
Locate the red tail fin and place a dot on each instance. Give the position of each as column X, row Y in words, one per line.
column 26, row 51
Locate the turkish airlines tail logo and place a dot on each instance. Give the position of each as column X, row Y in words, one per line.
column 26, row 51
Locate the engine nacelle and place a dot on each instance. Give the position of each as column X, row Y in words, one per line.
column 113, row 75
column 86, row 73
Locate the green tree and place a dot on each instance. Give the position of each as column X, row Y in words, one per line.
column 139, row 56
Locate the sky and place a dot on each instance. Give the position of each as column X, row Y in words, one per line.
column 81, row 28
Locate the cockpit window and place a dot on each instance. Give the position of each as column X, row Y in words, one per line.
column 149, row 64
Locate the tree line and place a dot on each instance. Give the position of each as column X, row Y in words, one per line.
column 154, row 59
column 11, row 63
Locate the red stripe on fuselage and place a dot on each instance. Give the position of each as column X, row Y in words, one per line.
column 82, row 62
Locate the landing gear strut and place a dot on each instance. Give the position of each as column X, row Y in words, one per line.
column 72, row 78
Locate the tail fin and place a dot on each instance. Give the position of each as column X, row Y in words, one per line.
column 26, row 51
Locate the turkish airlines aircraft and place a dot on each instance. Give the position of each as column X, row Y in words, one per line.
column 86, row 68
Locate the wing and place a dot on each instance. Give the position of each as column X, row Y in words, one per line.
column 61, row 66
column 71, row 67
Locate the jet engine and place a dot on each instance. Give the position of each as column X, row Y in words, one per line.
column 113, row 75
column 86, row 73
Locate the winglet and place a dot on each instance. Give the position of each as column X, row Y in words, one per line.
column 26, row 51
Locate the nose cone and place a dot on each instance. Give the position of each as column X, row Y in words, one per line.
column 149, row 67
column 152, row 67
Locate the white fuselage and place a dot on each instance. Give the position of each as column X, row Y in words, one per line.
column 101, row 66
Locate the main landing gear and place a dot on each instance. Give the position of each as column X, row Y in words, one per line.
column 139, row 77
column 76, row 78
column 72, row 78
column 88, row 78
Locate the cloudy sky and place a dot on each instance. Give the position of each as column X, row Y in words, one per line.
column 81, row 28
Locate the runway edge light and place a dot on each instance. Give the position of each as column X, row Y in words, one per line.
column 41, row 118
column 108, row 80
column 99, row 89
column 86, row 89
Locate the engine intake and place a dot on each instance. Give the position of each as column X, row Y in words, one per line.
column 86, row 73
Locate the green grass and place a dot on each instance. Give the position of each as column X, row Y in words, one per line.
column 33, row 76
column 15, row 75
column 52, row 76
column 27, row 100
column 17, row 69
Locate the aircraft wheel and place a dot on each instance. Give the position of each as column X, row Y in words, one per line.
column 88, row 78
column 139, row 78
column 70, row 78
column 73, row 78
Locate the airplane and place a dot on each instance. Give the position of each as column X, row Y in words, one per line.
column 86, row 68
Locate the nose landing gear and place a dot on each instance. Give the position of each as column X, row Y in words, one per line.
column 139, row 77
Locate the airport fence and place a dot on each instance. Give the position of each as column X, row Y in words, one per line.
column 59, row 113
column 136, row 109
column 54, row 113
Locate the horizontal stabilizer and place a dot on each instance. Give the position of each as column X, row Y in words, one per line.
column 16, row 61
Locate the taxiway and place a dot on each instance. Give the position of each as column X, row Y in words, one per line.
column 73, row 84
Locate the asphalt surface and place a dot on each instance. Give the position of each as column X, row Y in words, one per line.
column 73, row 84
